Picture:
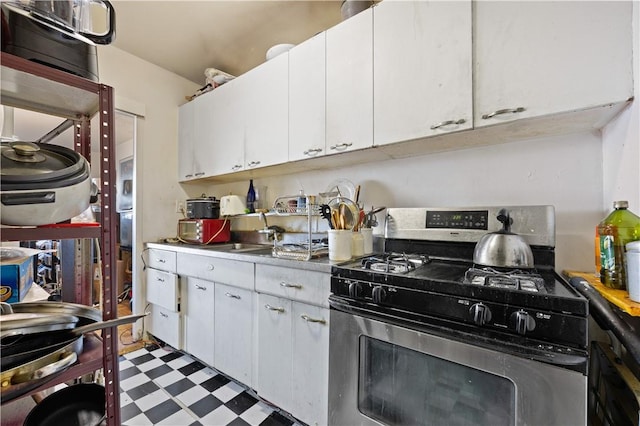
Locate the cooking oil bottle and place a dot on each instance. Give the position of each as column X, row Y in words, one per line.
column 616, row 230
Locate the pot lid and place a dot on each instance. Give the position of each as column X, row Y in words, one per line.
column 34, row 162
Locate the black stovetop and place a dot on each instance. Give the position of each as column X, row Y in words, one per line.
column 447, row 277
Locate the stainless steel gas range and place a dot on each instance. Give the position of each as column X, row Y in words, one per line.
column 421, row 335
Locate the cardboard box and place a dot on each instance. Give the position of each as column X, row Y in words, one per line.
column 16, row 277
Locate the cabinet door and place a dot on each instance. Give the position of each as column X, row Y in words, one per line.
column 274, row 355
column 166, row 325
column 539, row 58
column 350, row 84
column 421, row 69
column 307, row 99
column 186, row 121
column 310, row 363
column 199, row 318
column 233, row 332
column 163, row 289
column 227, row 128
column 266, row 113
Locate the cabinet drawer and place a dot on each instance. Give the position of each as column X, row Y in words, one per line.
column 162, row 259
column 163, row 289
column 225, row 271
column 295, row 284
column 166, row 325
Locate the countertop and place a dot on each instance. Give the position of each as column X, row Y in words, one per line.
column 320, row 264
column 619, row 298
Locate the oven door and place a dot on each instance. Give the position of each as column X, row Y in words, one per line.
column 389, row 374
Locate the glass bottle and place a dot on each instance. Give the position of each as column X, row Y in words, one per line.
column 619, row 228
column 251, row 198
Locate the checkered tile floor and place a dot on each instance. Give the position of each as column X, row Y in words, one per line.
column 162, row 386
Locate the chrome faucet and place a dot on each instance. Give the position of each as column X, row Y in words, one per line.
column 271, row 231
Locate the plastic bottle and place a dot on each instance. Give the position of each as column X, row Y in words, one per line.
column 302, row 200
column 616, row 230
column 251, row 198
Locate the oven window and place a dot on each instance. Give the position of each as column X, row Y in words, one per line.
column 400, row 386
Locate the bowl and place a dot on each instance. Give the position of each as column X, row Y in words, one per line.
column 278, row 49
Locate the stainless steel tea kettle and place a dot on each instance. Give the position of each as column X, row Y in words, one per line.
column 503, row 248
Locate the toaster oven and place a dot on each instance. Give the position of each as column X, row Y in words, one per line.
column 204, row 231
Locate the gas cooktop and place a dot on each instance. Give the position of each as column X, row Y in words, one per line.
column 428, row 271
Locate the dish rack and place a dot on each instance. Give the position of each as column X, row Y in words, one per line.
column 288, row 205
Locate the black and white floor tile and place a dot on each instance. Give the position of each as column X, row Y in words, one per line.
column 162, row 386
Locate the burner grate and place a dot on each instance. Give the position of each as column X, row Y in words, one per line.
column 395, row 263
column 516, row 279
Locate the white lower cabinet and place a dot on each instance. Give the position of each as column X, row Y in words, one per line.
column 274, row 349
column 310, row 363
column 293, row 357
column 199, row 318
column 233, row 332
column 165, row 324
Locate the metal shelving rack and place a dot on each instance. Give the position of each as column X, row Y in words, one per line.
column 32, row 86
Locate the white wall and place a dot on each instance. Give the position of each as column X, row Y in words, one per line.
column 621, row 141
column 565, row 172
column 160, row 92
column 157, row 93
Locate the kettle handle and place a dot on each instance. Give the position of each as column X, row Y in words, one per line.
column 109, row 36
column 506, row 220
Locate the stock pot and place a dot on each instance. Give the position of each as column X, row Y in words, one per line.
column 42, row 183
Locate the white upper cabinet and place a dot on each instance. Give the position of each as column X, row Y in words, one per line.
column 350, row 84
column 225, row 148
column 422, row 81
column 186, row 123
column 307, row 99
column 265, row 110
column 538, row 58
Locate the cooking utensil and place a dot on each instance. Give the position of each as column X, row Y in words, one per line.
column 344, row 213
column 503, row 248
column 78, row 405
column 42, row 184
column 340, row 188
column 63, row 354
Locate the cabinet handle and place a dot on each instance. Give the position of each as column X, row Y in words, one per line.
column 278, row 309
column 164, row 315
column 199, row 174
column 341, row 146
column 210, row 268
column 503, row 111
column 253, row 163
column 233, row 296
column 161, row 261
column 160, row 279
column 307, row 318
column 188, row 176
column 236, row 167
column 199, row 287
column 312, row 151
column 448, row 123
column 288, row 285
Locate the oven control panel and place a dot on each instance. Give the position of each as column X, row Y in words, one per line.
column 457, row 219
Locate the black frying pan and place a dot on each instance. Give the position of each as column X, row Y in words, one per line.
column 77, row 405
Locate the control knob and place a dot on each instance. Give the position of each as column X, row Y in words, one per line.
column 480, row 313
column 378, row 294
column 523, row 321
column 355, row 290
